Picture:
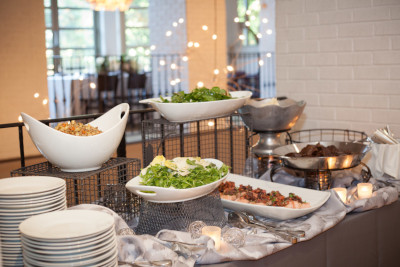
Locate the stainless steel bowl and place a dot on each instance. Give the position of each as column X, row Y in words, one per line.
column 356, row 151
column 261, row 116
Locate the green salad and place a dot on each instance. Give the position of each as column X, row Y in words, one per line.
column 198, row 95
column 181, row 172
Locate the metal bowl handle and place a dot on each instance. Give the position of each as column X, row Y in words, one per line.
column 365, row 174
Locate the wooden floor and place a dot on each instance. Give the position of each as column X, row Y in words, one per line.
column 133, row 150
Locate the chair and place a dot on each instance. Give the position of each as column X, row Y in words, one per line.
column 106, row 97
column 136, row 87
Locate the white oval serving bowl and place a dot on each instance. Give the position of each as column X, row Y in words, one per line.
column 80, row 153
column 171, row 195
column 183, row 112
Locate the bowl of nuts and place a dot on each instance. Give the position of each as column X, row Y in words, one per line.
column 77, row 147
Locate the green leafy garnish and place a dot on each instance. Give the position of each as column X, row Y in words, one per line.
column 163, row 176
column 198, row 95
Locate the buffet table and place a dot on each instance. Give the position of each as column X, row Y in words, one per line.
column 362, row 239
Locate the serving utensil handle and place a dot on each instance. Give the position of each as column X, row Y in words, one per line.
column 282, row 234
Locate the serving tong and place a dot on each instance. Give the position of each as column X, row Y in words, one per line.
column 239, row 219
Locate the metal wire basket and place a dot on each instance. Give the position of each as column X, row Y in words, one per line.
column 177, row 216
column 225, row 139
column 317, row 135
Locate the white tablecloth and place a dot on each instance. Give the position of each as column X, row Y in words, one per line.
column 67, row 91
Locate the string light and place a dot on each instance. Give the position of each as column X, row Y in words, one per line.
column 175, row 24
column 214, row 37
column 229, row 68
column 20, row 118
column 204, row 27
column 172, row 82
column 196, row 44
column 247, row 23
column 81, row 77
column 216, row 71
column 190, row 44
column 181, row 20
column 259, row 35
column 248, row 12
column 147, row 52
column 92, row 85
column 162, row 62
column 36, row 95
column 242, row 37
column 152, row 47
column 236, row 19
column 177, row 80
column 200, row 84
column 45, row 101
column 253, row 17
column 185, row 58
column 268, row 54
column 269, row 31
column 210, row 123
column 173, row 66
column 264, row 20
column 168, row 33
column 261, row 62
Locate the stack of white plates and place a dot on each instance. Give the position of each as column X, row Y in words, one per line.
column 69, row 238
column 21, row 198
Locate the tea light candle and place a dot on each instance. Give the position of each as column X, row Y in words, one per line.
column 342, row 192
column 364, row 190
column 215, row 233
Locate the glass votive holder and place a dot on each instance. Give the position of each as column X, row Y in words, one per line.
column 214, row 232
column 364, row 190
column 342, row 193
column 234, row 236
column 195, row 229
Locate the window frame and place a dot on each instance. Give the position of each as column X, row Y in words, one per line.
column 55, row 29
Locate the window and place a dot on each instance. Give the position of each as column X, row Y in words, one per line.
column 137, row 35
column 248, row 15
column 70, row 36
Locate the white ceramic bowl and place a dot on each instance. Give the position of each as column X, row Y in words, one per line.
column 183, row 112
column 80, row 153
column 171, row 195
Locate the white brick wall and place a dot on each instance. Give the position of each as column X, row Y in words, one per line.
column 343, row 58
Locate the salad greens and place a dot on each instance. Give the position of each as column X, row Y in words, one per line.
column 181, row 175
column 198, row 95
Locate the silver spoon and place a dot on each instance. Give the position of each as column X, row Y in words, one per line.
column 239, row 221
column 252, row 218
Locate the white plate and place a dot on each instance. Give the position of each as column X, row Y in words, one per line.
column 73, row 255
column 314, row 197
column 21, row 217
column 30, row 206
column 27, row 213
column 67, row 249
column 182, row 112
column 62, row 245
column 171, row 195
column 29, row 185
column 93, row 261
column 66, row 224
column 46, row 196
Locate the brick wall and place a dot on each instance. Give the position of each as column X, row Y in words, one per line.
column 343, row 58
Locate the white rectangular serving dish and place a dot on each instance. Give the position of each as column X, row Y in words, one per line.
column 314, row 197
